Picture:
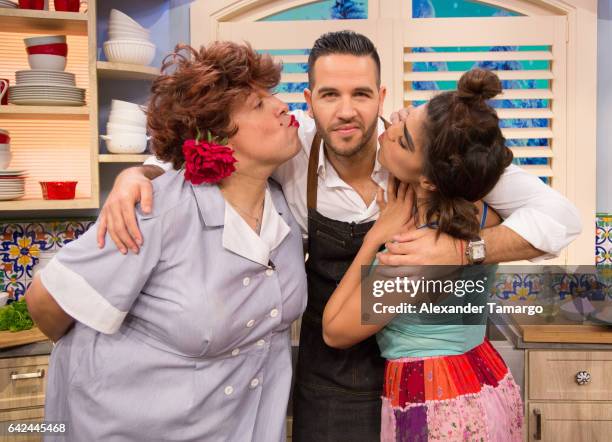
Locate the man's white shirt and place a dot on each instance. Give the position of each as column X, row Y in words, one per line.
column 536, row 212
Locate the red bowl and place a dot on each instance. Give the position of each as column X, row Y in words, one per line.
column 58, row 190
column 50, row 49
column 4, row 138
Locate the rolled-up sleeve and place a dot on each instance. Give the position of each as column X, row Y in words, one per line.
column 535, row 211
column 97, row 287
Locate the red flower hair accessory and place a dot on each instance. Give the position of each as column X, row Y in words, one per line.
column 207, row 161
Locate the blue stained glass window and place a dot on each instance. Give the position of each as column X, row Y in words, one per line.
column 456, row 8
column 324, row 10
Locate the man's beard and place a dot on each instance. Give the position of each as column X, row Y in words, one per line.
column 367, row 135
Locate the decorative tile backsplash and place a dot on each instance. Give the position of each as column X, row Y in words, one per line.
column 24, row 244
column 603, row 239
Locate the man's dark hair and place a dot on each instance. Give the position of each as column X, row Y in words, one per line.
column 342, row 42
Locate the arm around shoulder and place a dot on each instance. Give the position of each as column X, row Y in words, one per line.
column 537, row 213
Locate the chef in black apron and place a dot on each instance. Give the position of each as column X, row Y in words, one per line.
column 337, row 392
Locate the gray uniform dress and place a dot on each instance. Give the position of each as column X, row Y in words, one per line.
column 187, row 340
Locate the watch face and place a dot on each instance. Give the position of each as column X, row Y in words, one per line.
column 478, row 251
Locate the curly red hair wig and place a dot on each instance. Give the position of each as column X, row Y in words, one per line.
column 198, row 90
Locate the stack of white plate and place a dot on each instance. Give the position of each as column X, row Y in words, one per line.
column 12, row 184
column 7, row 4
column 46, row 88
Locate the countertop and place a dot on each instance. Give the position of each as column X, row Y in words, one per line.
column 36, row 349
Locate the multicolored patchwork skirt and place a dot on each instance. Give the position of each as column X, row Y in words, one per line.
column 467, row 397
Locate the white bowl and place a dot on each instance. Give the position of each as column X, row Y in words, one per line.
column 125, row 143
column 5, row 159
column 129, row 51
column 5, row 147
column 136, row 114
column 116, row 27
column 120, row 106
column 124, row 35
column 117, row 16
column 47, row 40
column 125, row 121
column 47, row 61
column 140, row 32
column 117, row 128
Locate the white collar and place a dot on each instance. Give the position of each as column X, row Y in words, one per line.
column 239, row 237
column 331, row 177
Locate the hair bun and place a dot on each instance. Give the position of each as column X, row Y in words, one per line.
column 478, row 84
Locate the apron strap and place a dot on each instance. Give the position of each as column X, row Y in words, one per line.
column 312, row 183
column 313, row 174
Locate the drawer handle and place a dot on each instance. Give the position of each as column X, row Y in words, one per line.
column 583, row 377
column 538, row 430
column 38, row 374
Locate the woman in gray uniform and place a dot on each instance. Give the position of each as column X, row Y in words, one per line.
column 188, row 339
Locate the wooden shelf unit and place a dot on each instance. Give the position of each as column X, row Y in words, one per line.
column 16, row 20
column 47, row 150
column 125, row 71
column 41, row 204
column 122, row 158
column 18, row 111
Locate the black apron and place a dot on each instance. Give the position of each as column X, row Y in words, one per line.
column 337, row 394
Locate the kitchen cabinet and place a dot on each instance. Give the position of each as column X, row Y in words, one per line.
column 52, row 143
column 568, row 395
column 567, row 384
column 23, row 382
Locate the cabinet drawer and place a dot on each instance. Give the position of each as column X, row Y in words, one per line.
column 23, row 382
column 25, row 415
column 552, row 375
column 569, row 422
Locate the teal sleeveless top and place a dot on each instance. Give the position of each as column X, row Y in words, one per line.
column 431, row 334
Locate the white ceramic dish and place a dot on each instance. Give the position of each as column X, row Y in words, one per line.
column 46, row 40
column 140, row 32
column 45, row 77
column 117, row 16
column 5, row 159
column 120, row 105
column 119, row 35
column 47, row 61
column 129, row 51
column 50, row 93
column 47, row 102
column 115, row 128
column 127, row 122
column 133, row 115
column 125, row 143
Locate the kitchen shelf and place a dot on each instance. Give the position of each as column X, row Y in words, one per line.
column 126, row 71
column 19, row 111
column 122, row 158
column 41, row 204
column 16, row 20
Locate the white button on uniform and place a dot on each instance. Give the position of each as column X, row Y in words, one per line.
column 274, row 313
column 261, row 343
column 229, row 390
column 269, row 272
column 246, row 281
column 235, row 352
column 254, row 383
column 251, row 323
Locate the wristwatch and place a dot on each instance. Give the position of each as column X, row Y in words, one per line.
column 476, row 252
